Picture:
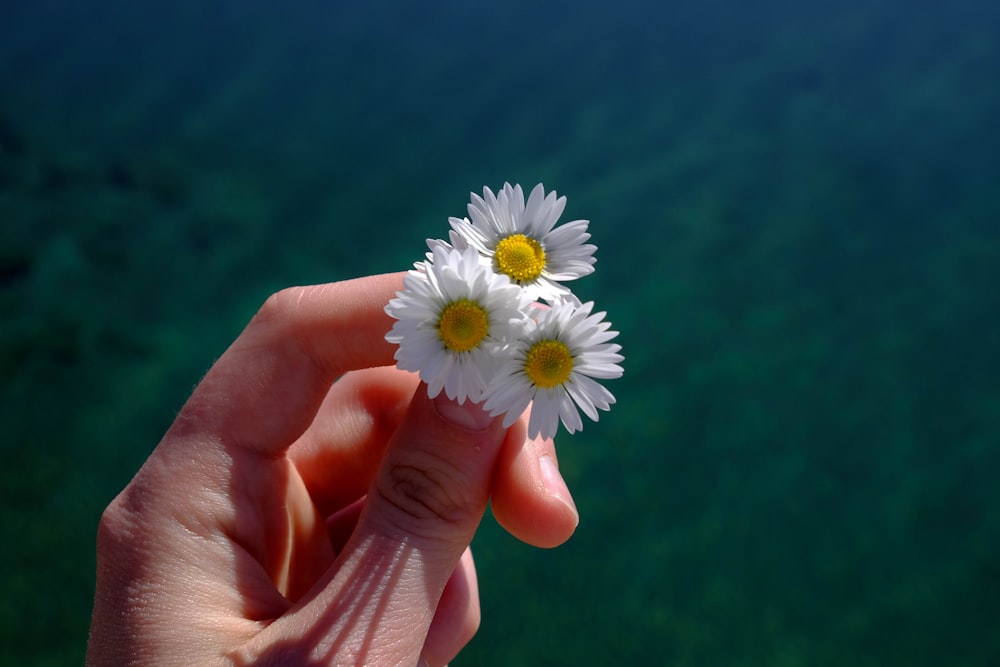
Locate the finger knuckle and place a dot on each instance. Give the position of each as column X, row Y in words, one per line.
column 426, row 492
column 278, row 305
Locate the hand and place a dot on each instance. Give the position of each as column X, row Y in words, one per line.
column 291, row 517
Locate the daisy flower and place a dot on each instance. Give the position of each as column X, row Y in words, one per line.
column 454, row 316
column 553, row 366
column 522, row 242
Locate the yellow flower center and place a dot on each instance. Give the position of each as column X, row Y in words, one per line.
column 463, row 325
column 548, row 364
column 520, row 257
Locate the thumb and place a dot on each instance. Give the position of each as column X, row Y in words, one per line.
column 434, row 482
column 425, row 503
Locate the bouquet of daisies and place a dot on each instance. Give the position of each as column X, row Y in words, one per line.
column 486, row 317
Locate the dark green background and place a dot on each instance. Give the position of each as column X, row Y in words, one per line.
column 797, row 205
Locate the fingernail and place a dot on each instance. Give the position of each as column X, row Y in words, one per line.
column 467, row 415
column 554, row 482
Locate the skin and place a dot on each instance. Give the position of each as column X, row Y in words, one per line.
column 311, row 505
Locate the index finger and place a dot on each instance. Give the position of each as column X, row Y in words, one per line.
column 264, row 391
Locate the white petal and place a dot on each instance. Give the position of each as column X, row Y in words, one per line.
column 581, row 398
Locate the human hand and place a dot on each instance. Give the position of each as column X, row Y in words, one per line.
column 291, row 517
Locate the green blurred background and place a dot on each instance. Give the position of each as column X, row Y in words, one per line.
column 797, row 206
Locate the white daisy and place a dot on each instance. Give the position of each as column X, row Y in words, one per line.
column 454, row 316
column 553, row 368
column 522, row 242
